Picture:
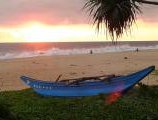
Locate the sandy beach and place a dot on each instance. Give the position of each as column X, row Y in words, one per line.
column 74, row 66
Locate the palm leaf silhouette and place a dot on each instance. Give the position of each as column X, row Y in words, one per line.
column 116, row 15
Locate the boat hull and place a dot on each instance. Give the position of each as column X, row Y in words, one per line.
column 87, row 88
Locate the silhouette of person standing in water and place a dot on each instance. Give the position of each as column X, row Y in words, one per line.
column 91, row 52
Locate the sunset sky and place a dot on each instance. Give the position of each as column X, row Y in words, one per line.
column 63, row 21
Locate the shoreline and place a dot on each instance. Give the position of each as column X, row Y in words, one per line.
column 74, row 66
column 44, row 54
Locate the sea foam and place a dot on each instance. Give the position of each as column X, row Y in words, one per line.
column 74, row 51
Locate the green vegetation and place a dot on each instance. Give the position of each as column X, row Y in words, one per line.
column 5, row 112
column 140, row 103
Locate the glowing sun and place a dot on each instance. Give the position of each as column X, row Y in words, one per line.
column 37, row 32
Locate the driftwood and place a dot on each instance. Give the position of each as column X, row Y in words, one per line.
column 78, row 80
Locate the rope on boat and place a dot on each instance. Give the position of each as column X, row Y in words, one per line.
column 101, row 78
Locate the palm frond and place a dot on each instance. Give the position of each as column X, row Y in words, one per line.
column 116, row 15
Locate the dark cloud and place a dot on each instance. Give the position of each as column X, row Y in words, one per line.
column 13, row 12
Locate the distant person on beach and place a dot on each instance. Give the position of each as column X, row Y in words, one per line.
column 91, row 52
column 137, row 50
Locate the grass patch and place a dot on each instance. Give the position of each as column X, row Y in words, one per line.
column 139, row 104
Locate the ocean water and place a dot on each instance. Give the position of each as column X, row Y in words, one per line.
column 23, row 50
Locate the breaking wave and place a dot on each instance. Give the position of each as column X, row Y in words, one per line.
column 74, row 51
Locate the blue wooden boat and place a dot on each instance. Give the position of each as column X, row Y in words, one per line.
column 87, row 87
